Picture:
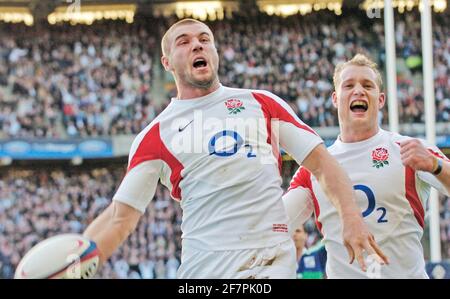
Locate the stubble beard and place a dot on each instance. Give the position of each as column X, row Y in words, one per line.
column 202, row 84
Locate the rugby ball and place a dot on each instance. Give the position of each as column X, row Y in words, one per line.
column 61, row 256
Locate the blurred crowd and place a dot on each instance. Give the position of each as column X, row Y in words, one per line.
column 58, row 81
column 444, row 209
column 37, row 204
column 409, row 53
column 442, row 69
column 76, row 81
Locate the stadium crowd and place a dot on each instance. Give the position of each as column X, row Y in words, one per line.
column 36, row 206
column 408, row 41
column 76, row 80
column 97, row 80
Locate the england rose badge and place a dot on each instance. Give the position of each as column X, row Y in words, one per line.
column 380, row 157
column 234, row 106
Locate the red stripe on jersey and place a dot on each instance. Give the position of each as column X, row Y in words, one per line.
column 412, row 196
column 148, row 149
column 275, row 110
column 153, row 148
column 436, row 154
column 302, row 178
column 267, row 117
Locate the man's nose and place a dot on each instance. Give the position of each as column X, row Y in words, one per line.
column 197, row 45
column 358, row 89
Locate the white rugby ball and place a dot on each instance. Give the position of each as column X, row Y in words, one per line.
column 62, row 256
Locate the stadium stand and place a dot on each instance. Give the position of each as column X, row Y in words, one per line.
column 97, row 80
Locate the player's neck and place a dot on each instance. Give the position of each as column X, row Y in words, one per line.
column 350, row 135
column 189, row 92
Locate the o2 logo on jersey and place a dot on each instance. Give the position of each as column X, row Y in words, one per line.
column 372, row 203
column 229, row 150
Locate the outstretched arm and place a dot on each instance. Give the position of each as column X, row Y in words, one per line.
column 337, row 186
column 302, row 143
column 112, row 227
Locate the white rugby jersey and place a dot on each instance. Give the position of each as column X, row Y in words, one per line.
column 219, row 157
column 391, row 197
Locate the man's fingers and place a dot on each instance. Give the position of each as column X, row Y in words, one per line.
column 371, row 248
column 406, row 151
column 406, row 161
column 408, row 158
column 409, row 153
column 410, row 145
column 378, row 251
column 372, row 252
column 360, row 258
column 403, row 148
column 405, row 144
column 351, row 254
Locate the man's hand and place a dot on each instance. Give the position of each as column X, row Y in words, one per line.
column 357, row 239
column 416, row 156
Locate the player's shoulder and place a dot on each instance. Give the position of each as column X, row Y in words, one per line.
column 394, row 136
column 151, row 131
column 161, row 117
column 250, row 93
column 154, row 123
column 267, row 94
column 270, row 100
column 397, row 138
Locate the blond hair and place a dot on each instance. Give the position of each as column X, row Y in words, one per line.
column 358, row 60
column 164, row 41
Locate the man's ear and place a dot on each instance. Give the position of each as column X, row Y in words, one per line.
column 165, row 63
column 381, row 100
column 334, row 99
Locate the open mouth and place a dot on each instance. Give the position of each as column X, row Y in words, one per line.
column 359, row 106
column 199, row 63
